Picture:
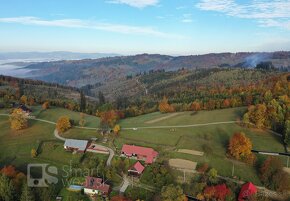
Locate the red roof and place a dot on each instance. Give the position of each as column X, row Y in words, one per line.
column 96, row 184
column 247, row 190
column 138, row 167
column 149, row 153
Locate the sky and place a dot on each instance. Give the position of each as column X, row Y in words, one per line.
column 175, row 27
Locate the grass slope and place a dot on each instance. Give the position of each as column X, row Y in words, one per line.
column 216, row 137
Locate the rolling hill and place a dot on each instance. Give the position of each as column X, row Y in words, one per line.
column 79, row 73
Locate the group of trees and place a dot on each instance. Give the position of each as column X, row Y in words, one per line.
column 273, row 114
column 273, row 176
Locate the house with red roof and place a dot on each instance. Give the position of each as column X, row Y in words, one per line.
column 148, row 155
column 96, row 186
column 247, row 191
column 137, row 169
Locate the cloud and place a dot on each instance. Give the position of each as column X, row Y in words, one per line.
column 86, row 24
column 274, row 13
column 136, row 3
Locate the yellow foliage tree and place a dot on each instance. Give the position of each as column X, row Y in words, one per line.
column 33, row 153
column 117, row 129
column 240, row 147
column 23, row 100
column 18, row 119
column 82, row 121
column 63, row 124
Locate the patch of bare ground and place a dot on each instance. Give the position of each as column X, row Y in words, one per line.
column 163, row 118
column 181, row 164
column 192, row 152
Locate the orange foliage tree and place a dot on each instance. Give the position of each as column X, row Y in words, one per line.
column 109, row 118
column 165, row 107
column 18, row 120
column 45, row 105
column 240, row 147
column 195, row 106
column 63, row 124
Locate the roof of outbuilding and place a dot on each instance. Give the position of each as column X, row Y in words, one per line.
column 138, row 167
column 81, row 145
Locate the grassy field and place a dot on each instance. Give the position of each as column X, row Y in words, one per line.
column 15, row 147
column 167, row 140
column 54, row 113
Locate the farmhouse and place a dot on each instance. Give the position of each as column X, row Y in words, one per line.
column 137, row 169
column 76, row 145
column 25, row 109
column 96, row 186
column 148, row 155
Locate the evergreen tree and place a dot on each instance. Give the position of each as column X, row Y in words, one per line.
column 83, row 103
column 102, row 99
column 6, row 189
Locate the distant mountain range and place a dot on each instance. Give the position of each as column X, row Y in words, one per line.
column 79, row 73
column 57, row 55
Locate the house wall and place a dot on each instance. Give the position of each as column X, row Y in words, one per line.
column 90, row 191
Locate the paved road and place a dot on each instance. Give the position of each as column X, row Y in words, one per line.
column 125, row 184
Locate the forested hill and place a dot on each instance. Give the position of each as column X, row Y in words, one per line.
column 12, row 88
column 79, row 73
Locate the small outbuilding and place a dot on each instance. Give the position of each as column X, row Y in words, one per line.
column 76, row 145
column 137, row 169
column 247, row 190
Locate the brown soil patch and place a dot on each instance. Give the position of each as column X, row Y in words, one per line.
column 163, row 118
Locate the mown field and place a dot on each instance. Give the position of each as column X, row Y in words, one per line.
column 15, row 147
column 216, row 137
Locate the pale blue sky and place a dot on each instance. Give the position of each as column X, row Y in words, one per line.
column 137, row 26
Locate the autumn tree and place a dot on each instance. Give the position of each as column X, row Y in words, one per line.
column 24, row 100
column 45, row 105
column 172, row 193
column 9, row 171
column 33, row 153
column 240, row 147
column 164, row 106
column 117, row 129
column 109, row 118
column 226, row 103
column 18, row 120
column 31, row 101
column 82, row 121
column 273, row 176
column 63, row 124
column 195, row 106
column 218, row 192
column 212, row 175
